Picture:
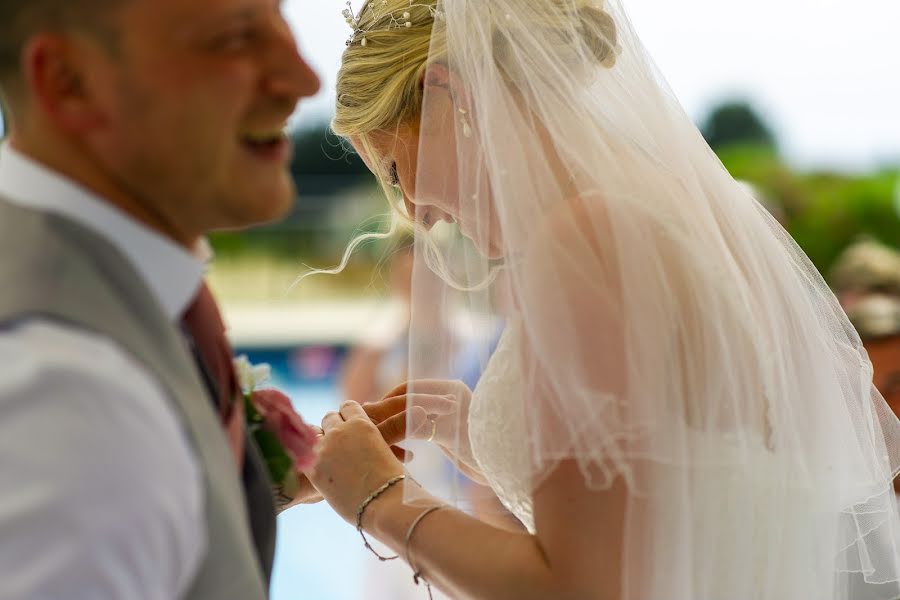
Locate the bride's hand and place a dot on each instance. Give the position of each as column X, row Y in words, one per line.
column 435, row 410
column 353, row 460
column 392, row 430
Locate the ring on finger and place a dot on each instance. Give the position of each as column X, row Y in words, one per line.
column 433, row 429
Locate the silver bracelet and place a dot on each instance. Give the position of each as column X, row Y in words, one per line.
column 362, row 507
column 417, row 573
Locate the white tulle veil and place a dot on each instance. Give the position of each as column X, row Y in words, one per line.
column 672, row 334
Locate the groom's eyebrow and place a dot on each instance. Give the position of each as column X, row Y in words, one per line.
column 249, row 12
column 254, row 10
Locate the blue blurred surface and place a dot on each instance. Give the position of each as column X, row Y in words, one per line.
column 317, row 556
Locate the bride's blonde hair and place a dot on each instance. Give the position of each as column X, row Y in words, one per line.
column 378, row 85
column 379, row 82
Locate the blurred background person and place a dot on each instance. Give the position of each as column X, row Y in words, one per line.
column 378, row 362
column 866, row 279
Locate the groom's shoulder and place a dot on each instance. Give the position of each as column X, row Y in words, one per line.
column 36, row 244
column 27, row 234
column 51, row 266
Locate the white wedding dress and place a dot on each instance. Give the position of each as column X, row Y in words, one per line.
column 498, row 430
column 721, row 498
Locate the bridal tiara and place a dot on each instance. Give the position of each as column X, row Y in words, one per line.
column 401, row 21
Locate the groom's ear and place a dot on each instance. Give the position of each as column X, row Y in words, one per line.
column 55, row 77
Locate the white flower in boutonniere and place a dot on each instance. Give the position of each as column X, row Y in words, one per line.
column 287, row 444
column 251, row 376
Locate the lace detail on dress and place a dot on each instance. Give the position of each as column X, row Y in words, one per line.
column 498, row 430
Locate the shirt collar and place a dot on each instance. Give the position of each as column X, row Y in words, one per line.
column 172, row 273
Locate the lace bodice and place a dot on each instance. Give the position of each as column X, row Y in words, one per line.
column 498, row 430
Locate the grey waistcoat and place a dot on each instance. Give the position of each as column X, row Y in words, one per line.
column 53, row 268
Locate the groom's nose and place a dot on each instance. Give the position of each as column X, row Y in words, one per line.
column 290, row 76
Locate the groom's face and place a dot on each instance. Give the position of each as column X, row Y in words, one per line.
column 196, row 95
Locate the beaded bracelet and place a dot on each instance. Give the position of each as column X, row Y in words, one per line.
column 417, row 573
column 362, row 507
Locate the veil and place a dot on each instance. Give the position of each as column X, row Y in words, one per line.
column 668, row 333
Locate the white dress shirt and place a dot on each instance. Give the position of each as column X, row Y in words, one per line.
column 101, row 495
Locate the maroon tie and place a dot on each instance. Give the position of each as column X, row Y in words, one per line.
column 205, row 329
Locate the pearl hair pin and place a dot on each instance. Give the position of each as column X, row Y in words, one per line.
column 404, row 20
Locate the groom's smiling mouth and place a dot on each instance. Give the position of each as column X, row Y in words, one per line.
column 268, row 145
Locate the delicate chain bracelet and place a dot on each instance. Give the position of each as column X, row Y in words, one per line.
column 417, row 573
column 362, row 507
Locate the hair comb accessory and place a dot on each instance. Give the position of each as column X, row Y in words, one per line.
column 404, row 20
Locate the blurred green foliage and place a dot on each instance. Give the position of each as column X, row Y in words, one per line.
column 823, row 211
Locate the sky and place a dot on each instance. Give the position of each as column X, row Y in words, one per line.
column 824, row 73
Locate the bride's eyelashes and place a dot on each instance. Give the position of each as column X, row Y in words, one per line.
column 393, row 177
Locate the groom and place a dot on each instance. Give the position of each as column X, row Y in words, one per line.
column 135, row 127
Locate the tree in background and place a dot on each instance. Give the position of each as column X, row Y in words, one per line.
column 318, row 151
column 736, row 123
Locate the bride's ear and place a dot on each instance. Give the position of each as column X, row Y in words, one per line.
column 438, row 78
column 435, row 75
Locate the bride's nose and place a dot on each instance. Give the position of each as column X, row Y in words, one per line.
column 425, row 214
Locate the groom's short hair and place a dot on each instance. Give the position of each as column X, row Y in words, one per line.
column 20, row 19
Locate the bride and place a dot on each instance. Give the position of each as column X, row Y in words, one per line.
column 678, row 409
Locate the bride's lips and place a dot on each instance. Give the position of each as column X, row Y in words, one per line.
column 268, row 146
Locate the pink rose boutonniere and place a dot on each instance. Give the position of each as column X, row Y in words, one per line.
column 287, row 443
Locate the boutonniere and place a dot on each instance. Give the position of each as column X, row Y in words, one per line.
column 287, row 444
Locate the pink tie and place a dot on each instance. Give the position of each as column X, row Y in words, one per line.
column 204, row 326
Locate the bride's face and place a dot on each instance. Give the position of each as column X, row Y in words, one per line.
column 431, row 185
